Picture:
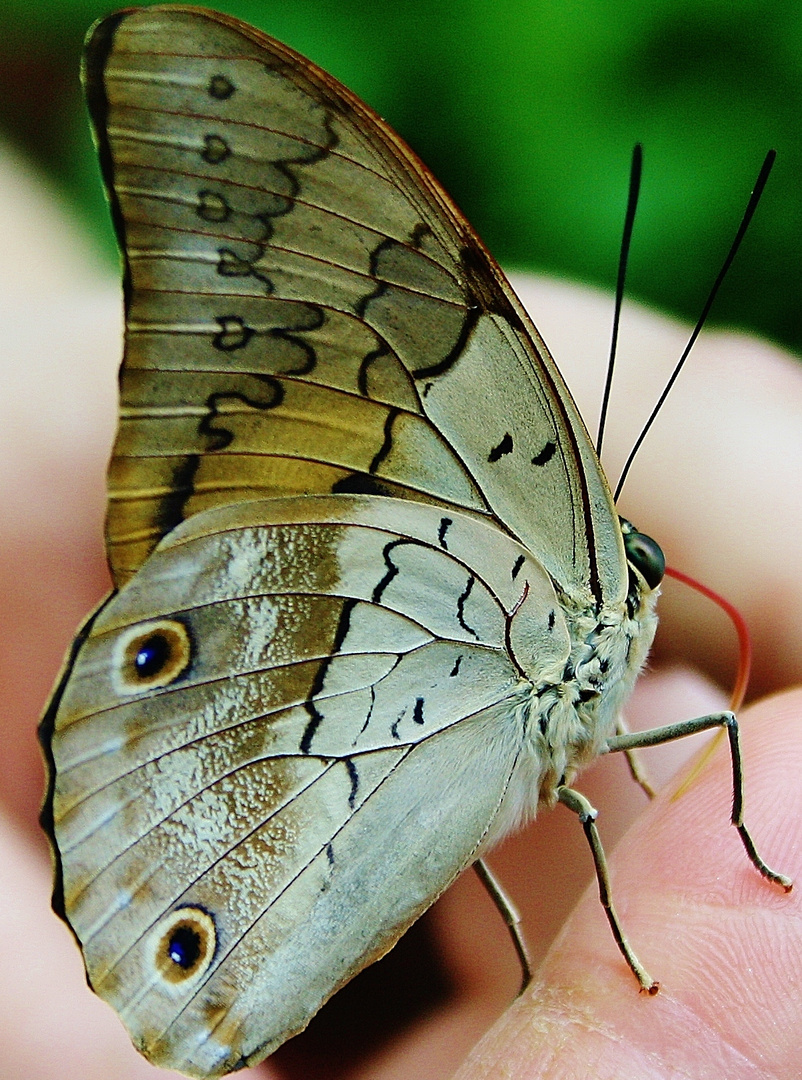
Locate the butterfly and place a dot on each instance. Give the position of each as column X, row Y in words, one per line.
column 373, row 602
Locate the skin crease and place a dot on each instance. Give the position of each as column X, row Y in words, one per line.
column 717, row 483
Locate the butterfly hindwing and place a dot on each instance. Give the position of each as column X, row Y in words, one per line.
column 331, row 671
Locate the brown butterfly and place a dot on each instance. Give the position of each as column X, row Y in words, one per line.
column 374, row 602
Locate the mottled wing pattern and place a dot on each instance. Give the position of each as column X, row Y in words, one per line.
column 339, row 668
column 307, row 311
column 347, row 488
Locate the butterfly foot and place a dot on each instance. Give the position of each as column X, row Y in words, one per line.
column 587, row 815
column 763, row 868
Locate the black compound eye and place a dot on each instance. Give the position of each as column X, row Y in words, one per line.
column 645, row 555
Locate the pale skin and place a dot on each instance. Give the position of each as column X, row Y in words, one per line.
column 717, row 483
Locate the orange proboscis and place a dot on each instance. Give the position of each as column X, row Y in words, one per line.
column 738, row 621
column 744, row 666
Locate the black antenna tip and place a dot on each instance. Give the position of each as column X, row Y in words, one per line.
column 763, row 175
column 635, row 170
column 754, row 199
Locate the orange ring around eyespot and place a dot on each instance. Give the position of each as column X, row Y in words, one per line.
column 187, row 930
column 175, row 641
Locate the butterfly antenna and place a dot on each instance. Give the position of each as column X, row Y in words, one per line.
column 626, row 241
column 748, row 214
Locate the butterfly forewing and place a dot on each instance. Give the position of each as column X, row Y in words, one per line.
column 307, row 311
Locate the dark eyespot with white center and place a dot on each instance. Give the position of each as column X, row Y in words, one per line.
column 644, row 555
column 152, row 655
column 185, row 941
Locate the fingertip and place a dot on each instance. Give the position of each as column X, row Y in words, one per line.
column 722, row 941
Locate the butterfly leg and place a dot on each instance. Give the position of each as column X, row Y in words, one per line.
column 636, row 769
column 510, row 916
column 727, row 721
column 587, row 815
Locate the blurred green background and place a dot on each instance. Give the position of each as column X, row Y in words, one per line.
column 527, row 110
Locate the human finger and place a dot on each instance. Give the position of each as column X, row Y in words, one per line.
column 722, row 941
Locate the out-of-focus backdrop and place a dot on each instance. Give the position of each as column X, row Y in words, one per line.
column 527, row 111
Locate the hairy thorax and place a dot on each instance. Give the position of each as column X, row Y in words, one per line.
column 567, row 721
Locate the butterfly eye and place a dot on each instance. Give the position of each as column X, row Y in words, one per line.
column 154, row 655
column 186, row 944
column 645, row 555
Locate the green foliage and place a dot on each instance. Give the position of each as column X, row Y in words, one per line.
column 527, row 110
